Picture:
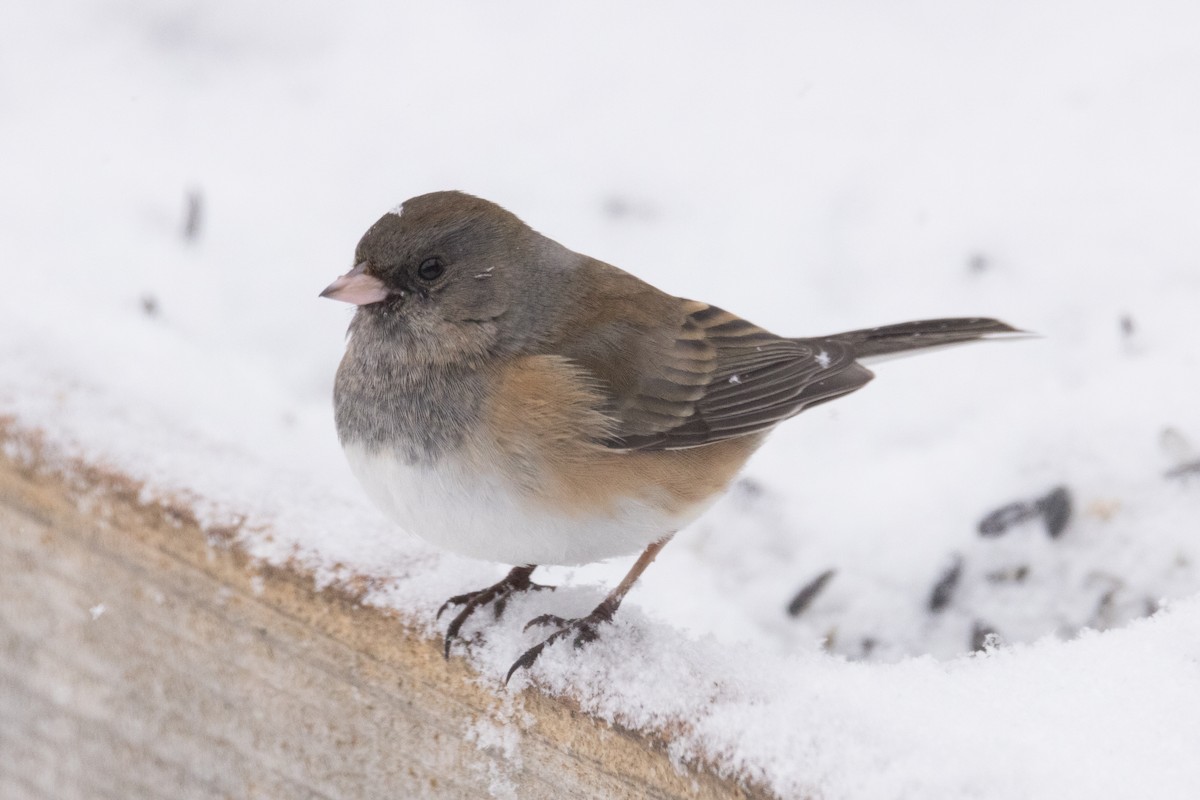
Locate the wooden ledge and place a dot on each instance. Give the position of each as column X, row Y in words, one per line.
column 142, row 657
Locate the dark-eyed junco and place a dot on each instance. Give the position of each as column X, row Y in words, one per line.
column 509, row 399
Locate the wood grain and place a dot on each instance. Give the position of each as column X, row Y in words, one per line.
column 141, row 657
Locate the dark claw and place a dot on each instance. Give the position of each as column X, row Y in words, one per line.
column 500, row 598
column 584, row 629
column 455, row 626
column 546, row 621
column 526, row 660
column 457, row 600
column 498, row 594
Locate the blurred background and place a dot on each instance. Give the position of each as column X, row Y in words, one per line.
column 180, row 180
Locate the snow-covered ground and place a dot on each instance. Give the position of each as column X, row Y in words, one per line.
column 811, row 167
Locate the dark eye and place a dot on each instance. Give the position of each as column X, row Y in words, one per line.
column 431, row 269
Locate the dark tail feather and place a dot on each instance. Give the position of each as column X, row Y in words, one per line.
column 890, row 339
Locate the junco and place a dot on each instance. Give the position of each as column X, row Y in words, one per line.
column 509, row 399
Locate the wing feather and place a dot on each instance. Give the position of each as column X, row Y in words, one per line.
column 718, row 376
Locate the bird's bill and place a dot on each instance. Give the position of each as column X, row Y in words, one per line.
column 357, row 287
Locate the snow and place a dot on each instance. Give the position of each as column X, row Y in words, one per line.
column 813, row 168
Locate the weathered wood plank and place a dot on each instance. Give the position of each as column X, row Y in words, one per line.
column 140, row 659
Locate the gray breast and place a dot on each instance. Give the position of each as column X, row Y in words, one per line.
column 419, row 411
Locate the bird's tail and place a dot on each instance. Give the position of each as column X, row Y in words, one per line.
column 891, row 340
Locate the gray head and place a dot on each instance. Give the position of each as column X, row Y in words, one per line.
column 450, row 276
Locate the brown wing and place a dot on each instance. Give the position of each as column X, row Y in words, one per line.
column 694, row 374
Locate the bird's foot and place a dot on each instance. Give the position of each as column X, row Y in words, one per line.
column 582, row 630
column 498, row 595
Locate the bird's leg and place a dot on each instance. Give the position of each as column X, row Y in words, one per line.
column 584, row 628
column 517, row 580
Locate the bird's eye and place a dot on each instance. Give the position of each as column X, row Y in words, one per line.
column 431, row 269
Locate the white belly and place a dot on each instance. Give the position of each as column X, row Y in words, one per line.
column 484, row 515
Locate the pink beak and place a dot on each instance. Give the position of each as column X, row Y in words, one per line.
column 357, row 287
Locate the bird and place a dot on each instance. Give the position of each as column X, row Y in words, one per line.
column 508, row 399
